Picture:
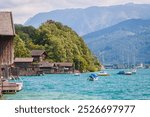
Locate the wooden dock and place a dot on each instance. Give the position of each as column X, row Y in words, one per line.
column 10, row 88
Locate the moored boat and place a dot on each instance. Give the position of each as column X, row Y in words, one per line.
column 128, row 73
column 133, row 71
column 103, row 73
column 121, row 72
column 93, row 77
column 76, row 74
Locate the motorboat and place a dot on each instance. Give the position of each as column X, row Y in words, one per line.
column 124, row 73
column 128, row 73
column 133, row 71
column 121, row 72
column 76, row 74
column 93, row 77
column 103, row 73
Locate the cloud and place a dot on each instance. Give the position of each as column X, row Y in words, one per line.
column 23, row 9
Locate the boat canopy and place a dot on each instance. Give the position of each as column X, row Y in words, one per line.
column 93, row 76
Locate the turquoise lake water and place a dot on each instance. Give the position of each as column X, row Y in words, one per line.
column 70, row 87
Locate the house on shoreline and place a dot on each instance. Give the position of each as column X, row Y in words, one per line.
column 38, row 55
column 25, row 67
column 37, row 65
column 46, row 67
column 64, row 67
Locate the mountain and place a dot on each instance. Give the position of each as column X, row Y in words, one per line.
column 128, row 41
column 90, row 19
column 60, row 42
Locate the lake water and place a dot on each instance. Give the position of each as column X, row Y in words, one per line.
column 70, row 87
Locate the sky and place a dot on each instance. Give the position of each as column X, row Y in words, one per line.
column 24, row 9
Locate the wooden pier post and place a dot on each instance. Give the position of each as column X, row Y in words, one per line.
column 1, row 83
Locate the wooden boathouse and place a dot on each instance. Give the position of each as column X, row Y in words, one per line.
column 26, row 66
column 7, row 34
column 38, row 55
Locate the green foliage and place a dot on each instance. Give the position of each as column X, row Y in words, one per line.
column 61, row 44
column 29, row 35
column 20, row 48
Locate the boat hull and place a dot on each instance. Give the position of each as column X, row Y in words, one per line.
column 103, row 74
column 92, row 79
column 128, row 73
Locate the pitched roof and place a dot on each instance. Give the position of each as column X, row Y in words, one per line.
column 6, row 24
column 20, row 60
column 46, row 64
column 64, row 64
column 37, row 52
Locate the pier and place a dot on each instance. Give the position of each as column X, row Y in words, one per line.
column 11, row 87
column 7, row 87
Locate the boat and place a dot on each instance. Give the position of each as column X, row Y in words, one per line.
column 133, row 71
column 103, row 73
column 128, row 73
column 121, row 72
column 125, row 73
column 20, row 86
column 19, row 82
column 93, row 77
column 76, row 74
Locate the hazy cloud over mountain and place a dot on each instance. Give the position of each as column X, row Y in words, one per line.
column 23, row 9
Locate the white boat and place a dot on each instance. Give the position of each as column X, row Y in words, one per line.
column 128, row 73
column 133, row 71
column 77, row 74
column 92, row 79
column 20, row 86
column 103, row 73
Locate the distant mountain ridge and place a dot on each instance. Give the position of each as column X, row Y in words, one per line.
column 128, row 41
column 90, row 19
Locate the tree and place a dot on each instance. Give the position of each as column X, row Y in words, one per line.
column 20, row 49
column 60, row 42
